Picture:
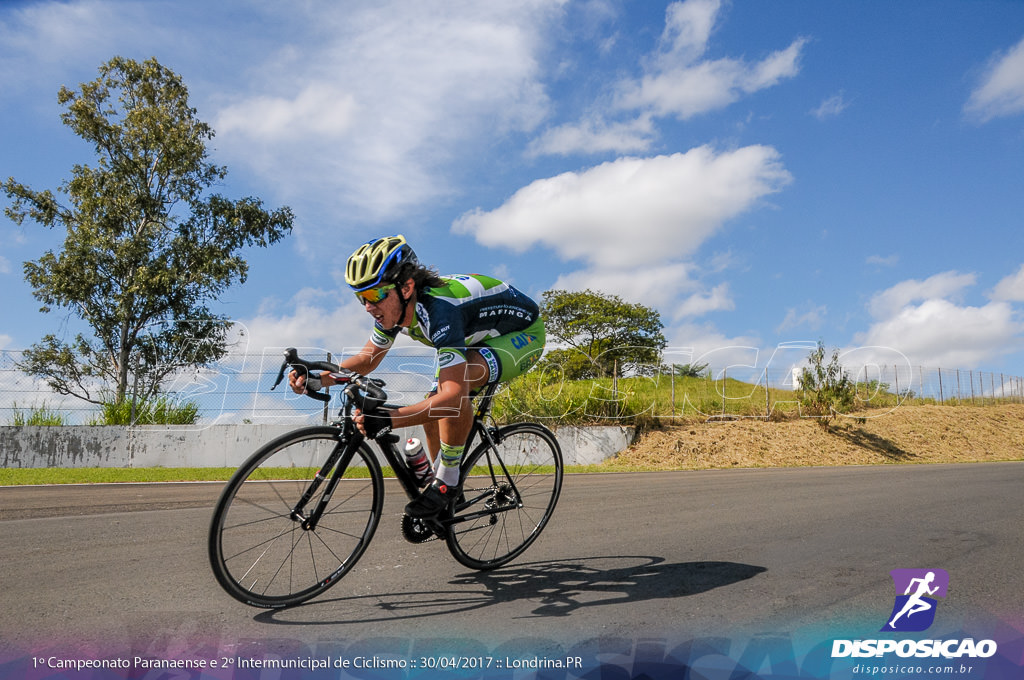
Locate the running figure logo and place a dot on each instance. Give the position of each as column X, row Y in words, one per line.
column 914, row 609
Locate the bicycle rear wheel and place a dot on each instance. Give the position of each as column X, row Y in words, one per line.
column 263, row 556
column 508, row 496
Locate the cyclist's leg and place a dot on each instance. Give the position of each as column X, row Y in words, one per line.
column 497, row 360
column 454, row 430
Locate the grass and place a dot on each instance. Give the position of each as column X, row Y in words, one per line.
column 37, row 415
column 94, row 475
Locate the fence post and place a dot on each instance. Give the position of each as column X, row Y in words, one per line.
column 941, row 398
column 328, row 391
column 673, row 383
column 767, row 400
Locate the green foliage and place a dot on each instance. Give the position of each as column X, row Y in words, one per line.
column 37, row 415
column 643, row 401
column 825, row 389
column 146, row 249
column 160, row 410
column 688, row 370
column 602, row 331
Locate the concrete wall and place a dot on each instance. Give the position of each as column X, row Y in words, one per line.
column 215, row 446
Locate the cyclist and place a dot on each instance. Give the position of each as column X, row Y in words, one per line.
column 484, row 330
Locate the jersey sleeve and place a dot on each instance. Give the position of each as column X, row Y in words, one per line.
column 383, row 338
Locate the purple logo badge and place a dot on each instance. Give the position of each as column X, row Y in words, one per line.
column 916, row 590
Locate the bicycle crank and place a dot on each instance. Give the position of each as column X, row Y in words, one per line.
column 416, row 530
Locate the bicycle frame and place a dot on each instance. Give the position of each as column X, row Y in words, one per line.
column 349, row 441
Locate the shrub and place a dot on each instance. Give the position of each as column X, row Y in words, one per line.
column 161, row 410
column 825, row 389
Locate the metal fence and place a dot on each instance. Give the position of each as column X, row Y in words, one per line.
column 237, row 389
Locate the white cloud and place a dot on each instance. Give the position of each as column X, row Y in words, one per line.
column 5, row 265
column 831, row 107
column 595, row 136
column 812, row 318
column 1001, row 91
column 677, row 81
column 892, row 300
column 656, row 286
column 1011, row 288
column 311, row 318
column 370, row 108
column 924, row 321
column 680, row 84
column 705, row 302
column 703, row 343
column 883, row 260
column 5, row 341
column 632, row 212
column 319, row 109
column 688, row 27
column 43, row 40
column 938, row 333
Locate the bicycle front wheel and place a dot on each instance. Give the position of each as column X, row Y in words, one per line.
column 508, row 495
column 261, row 551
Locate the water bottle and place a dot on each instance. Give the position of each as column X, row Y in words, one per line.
column 417, row 461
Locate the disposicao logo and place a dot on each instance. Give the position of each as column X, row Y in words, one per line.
column 915, row 605
column 913, row 611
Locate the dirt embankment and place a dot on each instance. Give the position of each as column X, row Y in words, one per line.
column 908, row 434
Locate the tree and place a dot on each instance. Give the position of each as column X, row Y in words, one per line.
column 825, row 389
column 146, row 248
column 601, row 330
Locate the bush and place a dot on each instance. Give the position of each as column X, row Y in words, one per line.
column 161, row 410
column 826, row 390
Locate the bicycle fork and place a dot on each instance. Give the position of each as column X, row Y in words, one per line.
column 339, row 459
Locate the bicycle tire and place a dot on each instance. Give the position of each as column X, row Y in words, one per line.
column 490, row 527
column 263, row 557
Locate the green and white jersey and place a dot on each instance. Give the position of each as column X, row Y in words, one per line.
column 465, row 312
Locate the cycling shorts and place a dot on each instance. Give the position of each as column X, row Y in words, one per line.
column 509, row 356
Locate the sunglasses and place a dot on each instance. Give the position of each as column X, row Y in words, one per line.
column 374, row 296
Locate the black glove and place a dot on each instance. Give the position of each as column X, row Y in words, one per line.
column 377, row 423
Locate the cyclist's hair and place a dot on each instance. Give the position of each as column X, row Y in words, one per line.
column 422, row 276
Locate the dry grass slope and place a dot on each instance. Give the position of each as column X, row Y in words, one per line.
column 909, row 434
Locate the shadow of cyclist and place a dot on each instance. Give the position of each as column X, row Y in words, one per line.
column 566, row 586
column 561, row 588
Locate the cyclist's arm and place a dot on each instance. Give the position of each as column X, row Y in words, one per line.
column 453, row 387
column 363, row 362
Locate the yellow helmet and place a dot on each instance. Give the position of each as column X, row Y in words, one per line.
column 378, row 262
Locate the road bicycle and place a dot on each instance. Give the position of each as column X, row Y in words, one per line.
column 299, row 512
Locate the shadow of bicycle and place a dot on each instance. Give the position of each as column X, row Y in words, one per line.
column 552, row 589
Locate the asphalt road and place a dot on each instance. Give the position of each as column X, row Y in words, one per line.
column 631, row 556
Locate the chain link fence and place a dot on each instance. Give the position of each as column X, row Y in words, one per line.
column 235, row 390
column 238, row 389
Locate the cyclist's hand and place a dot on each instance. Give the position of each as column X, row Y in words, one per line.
column 372, row 425
column 297, row 381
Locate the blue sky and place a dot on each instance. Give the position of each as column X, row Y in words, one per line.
column 759, row 172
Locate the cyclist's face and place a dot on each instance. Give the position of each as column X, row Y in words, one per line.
column 387, row 310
